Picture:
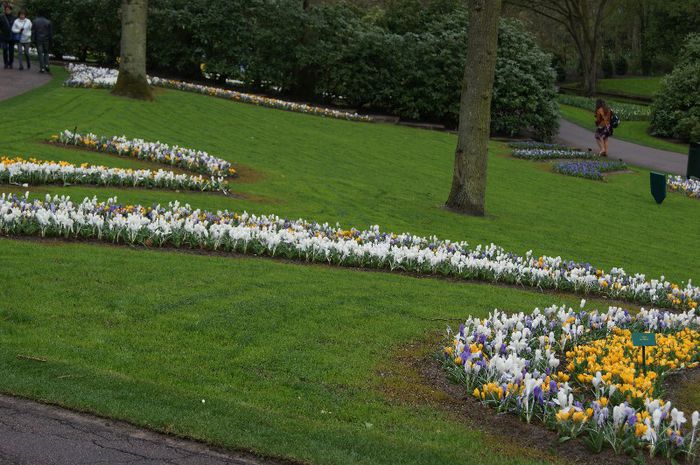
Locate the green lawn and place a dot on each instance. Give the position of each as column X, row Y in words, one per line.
column 289, row 357
column 645, row 87
column 631, row 131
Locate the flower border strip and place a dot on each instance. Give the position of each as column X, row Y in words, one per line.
column 689, row 187
column 589, row 169
column 182, row 227
column 158, row 152
column 105, row 78
column 553, row 154
column 37, row 172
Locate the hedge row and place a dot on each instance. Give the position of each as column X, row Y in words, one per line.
column 406, row 59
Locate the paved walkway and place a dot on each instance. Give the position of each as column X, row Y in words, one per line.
column 638, row 155
column 14, row 82
column 37, row 434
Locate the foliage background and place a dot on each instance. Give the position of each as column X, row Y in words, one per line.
column 676, row 110
column 405, row 58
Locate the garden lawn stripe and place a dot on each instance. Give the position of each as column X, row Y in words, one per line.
column 269, row 350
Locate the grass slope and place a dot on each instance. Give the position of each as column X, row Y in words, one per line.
column 631, row 131
column 288, row 357
column 645, row 87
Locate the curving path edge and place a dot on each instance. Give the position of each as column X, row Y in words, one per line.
column 634, row 154
column 14, row 82
column 36, row 434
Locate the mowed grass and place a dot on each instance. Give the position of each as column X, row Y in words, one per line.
column 360, row 174
column 289, row 357
column 631, row 131
column 645, row 87
column 279, row 358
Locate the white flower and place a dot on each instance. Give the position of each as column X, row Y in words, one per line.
column 677, row 418
column 597, row 380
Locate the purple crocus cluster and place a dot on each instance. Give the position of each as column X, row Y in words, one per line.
column 589, row 169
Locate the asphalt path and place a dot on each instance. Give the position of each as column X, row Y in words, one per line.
column 36, row 434
column 14, row 82
column 634, row 154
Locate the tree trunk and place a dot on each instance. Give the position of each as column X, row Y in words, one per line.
column 133, row 81
column 590, row 71
column 468, row 193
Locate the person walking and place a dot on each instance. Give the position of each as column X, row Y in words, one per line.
column 42, row 31
column 7, row 19
column 603, row 121
column 22, row 31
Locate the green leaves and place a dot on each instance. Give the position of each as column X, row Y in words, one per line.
column 676, row 111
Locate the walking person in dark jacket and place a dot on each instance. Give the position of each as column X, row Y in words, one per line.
column 43, row 34
column 7, row 19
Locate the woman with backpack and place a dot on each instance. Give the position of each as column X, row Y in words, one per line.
column 22, row 34
column 603, row 123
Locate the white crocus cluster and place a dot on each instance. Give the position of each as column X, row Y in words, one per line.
column 36, row 172
column 158, row 152
column 552, row 154
column 105, row 78
column 179, row 225
column 511, row 362
column 689, row 187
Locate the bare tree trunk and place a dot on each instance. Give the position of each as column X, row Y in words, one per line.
column 590, row 70
column 468, row 192
column 583, row 20
column 133, row 81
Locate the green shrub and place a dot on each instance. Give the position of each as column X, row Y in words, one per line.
column 82, row 28
column 406, row 59
column 621, row 65
column 608, row 66
column 676, row 110
column 559, row 64
column 524, row 93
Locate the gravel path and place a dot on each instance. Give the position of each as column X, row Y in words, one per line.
column 38, row 434
column 638, row 155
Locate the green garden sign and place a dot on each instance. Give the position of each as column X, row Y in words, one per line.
column 658, row 186
column 644, row 340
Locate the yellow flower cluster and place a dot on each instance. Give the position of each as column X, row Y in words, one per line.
column 574, row 414
column 618, row 360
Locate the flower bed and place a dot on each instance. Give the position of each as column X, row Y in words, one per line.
column 105, row 78
column 626, row 111
column 553, row 154
column 589, row 169
column 533, row 144
column 181, row 226
column 190, row 159
column 689, row 187
column 34, row 172
column 578, row 373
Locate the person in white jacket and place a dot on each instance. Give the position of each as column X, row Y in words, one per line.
column 22, row 32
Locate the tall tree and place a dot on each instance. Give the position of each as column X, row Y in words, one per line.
column 468, row 193
column 583, row 20
column 133, row 81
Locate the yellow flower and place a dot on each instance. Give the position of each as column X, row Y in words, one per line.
column 640, row 429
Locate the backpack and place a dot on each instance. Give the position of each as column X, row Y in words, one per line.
column 614, row 120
